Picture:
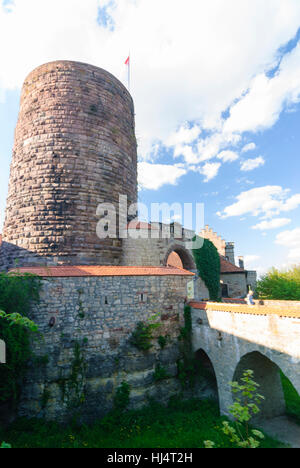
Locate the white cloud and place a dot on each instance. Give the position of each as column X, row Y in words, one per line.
column 272, row 224
column 228, row 156
column 187, row 152
column 210, row 171
column 182, row 54
column 292, row 203
column 154, row 176
column 249, row 147
column 290, row 239
column 210, row 146
column 183, row 135
column 267, row 201
column 261, row 106
column 181, row 61
column 251, row 164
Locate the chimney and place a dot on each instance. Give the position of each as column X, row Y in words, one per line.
column 241, row 263
column 229, row 252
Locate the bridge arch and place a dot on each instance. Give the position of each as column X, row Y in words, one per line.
column 207, row 374
column 267, row 375
column 184, row 254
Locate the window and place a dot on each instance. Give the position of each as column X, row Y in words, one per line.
column 225, row 292
column 143, row 297
column 105, row 300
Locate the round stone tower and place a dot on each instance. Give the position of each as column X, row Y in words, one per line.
column 75, row 148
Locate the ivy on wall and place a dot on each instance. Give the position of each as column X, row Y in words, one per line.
column 17, row 293
column 208, row 264
column 187, row 366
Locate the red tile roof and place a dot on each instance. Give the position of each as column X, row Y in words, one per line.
column 140, row 225
column 73, row 271
column 228, row 267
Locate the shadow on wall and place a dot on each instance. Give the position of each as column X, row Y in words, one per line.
column 185, row 257
column 208, row 386
column 267, row 375
column 12, row 256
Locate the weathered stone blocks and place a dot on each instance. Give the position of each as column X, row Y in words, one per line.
column 105, row 357
column 74, row 148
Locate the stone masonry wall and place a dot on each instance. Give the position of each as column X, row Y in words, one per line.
column 85, row 356
column 74, row 148
column 237, row 285
column 154, row 252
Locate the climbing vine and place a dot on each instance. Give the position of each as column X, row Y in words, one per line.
column 207, row 260
column 142, row 336
column 17, row 294
column 73, row 387
column 160, row 373
column 187, row 366
column 122, row 397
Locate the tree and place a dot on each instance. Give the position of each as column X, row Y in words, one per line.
column 245, row 406
column 280, row 285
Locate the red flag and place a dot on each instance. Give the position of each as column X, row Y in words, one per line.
column 127, row 61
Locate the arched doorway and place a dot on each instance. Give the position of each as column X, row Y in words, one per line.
column 207, row 385
column 183, row 257
column 174, row 260
column 224, row 290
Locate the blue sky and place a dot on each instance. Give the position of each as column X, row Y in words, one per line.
column 216, row 90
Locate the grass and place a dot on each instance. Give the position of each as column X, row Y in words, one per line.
column 292, row 399
column 183, row 424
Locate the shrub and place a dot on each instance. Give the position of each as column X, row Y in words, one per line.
column 17, row 293
column 142, row 336
column 5, row 445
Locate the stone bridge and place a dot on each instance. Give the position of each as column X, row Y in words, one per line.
column 231, row 338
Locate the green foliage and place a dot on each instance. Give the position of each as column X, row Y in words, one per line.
column 73, row 387
column 245, row 406
column 17, row 354
column 45, row 398
column 292, row 398
column 121, row 399
column 81, row 313
column 187, row 366
column 280, row 285
column 17, row 294
column 181, row 424
column 142, row 336
column 162, row 341
column 5, row 445
column 160, row 373
column 207, row 260
column 17, row 319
